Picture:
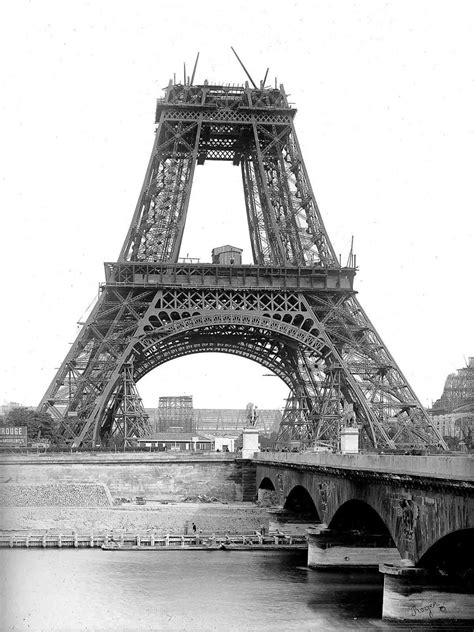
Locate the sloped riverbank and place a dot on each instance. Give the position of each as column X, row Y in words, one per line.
column 173, row 518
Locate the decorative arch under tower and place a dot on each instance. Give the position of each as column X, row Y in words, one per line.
column 294, row 309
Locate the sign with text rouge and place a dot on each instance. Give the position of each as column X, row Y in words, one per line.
column 14, row 436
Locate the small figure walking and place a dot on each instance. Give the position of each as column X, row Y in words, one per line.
column 262, row 529
column 194, row 528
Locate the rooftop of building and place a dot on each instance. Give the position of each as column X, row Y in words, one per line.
column 176, row 436
column 226, row 248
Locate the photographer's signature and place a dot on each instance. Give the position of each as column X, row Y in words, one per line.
column 427, row 609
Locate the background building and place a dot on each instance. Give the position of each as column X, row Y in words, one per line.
column 177, row 425
column 177, row 414
column 233, row 420
column 174, row 414
column 453, row 412
column 176, row 442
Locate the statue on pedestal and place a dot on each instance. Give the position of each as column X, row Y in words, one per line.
column 252, row 414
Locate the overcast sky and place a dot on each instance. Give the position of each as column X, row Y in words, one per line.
column 385, row 99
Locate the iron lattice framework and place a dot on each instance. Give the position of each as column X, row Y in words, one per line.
column 176, row 414
column 126, row 417
column 294, row 310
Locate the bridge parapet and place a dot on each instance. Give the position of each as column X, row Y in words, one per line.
column 440, row 466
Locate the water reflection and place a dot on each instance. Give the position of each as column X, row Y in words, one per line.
column 188, row 590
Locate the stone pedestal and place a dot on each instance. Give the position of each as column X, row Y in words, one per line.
column 329, row 549
column 249, row 442
column 415, row 594
column 350, row 440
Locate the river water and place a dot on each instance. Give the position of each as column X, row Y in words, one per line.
column 182, row 590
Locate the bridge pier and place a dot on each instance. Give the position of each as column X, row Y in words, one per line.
column 418, row 594
column 328, row 548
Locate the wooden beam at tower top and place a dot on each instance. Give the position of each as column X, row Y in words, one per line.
column 245, row 69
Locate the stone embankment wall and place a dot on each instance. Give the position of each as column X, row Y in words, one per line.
column 58, row 495
column 153, row 476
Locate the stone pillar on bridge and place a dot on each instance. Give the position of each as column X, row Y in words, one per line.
column 417, row 594
column 349, row 440
column 249, row 442
column 352, row 549
column 349, row 437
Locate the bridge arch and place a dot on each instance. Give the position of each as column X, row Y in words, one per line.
column 451, row 554
column 267, row 493
column 358, row 515
column 267, row 483
column 428, row 526
column 300, row 501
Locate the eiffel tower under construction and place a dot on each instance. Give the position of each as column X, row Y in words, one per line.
column 294, row 310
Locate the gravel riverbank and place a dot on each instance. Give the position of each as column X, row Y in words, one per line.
column 161, row 518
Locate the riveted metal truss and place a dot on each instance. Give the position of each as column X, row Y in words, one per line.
column 294, row 310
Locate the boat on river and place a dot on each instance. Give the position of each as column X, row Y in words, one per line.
column 282, row 542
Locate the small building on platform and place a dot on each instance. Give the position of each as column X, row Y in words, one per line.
column 227, row 255
column 224, row 444
column 176, row 442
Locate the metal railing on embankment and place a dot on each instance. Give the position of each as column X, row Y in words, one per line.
column 148, row 540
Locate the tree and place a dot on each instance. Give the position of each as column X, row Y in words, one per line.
column 40, row 425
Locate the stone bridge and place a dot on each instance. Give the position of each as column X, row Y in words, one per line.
column 412, row 515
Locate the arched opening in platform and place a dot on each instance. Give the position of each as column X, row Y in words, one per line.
column 359, row 517
column 263, row 340
column 219, row 380
column 300, row 503
column 260, row 341
column 452, row 555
